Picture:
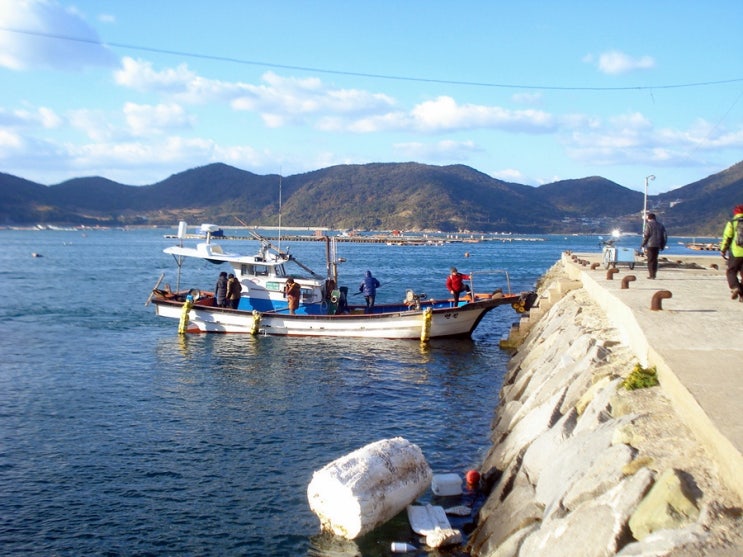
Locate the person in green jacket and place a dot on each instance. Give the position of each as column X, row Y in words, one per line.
column 731, row 248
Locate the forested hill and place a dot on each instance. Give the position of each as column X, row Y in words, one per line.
column 379, row 196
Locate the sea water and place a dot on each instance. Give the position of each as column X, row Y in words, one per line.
column 120, row 437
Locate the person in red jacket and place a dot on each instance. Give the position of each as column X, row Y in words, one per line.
column 455, row 284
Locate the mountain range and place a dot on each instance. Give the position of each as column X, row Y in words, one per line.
column 375, row 196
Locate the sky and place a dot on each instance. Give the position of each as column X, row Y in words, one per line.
column 525, row 91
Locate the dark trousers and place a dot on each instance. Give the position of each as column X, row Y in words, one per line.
column 735, row 266
column 652, row 255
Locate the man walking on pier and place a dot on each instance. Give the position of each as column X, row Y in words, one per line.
column 654, row 241
column 731, row 248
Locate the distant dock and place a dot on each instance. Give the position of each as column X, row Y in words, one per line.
column 390, row 240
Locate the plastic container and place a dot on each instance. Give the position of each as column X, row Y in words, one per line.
column 446, row 484
column 402, row 547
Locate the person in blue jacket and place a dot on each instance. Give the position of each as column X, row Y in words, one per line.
column 369, row 288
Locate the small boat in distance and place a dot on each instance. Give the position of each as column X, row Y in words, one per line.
column 323, row 310
column 700, row 246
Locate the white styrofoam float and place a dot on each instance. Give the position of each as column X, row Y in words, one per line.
column 424, row 519
column 359, row 491
column 431, row 521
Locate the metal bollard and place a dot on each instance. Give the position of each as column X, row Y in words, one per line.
column 655, row 303
column 595, row 266
column 626, row 280
column 611, row 272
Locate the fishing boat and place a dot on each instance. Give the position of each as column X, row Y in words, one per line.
column 324, row 309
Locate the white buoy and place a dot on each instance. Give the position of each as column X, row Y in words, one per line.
column 358, row 492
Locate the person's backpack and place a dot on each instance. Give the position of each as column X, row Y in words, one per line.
column 738, row 231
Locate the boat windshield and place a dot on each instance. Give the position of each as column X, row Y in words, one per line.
column 247, row 269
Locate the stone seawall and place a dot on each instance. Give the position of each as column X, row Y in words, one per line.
column 580, row 465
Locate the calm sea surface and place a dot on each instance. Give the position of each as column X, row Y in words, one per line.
column 120, row 437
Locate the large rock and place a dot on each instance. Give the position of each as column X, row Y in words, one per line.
column 571, row 461
column 529, row 427
column 671, row 504
column 517, row 511
column 596, row 528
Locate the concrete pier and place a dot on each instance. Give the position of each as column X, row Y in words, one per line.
column 695, row 341
column 582, row 466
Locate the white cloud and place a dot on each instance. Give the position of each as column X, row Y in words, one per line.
column 281, row 102
column 278, row 100
column 93, row 123
column 139, row 75
column 9, row 141
column 148, row 119
column 444, row 150
column 633, row 139
column 509, row 175
column 444, row 113
column 292, row 98
column 41, row 116
column 615, row 62
column 31, row 37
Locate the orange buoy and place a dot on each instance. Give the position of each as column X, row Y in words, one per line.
column 472, row 478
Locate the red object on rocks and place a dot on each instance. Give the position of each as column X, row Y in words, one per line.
column 473, row 478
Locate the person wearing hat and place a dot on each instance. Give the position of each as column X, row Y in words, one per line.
column 455, row 284
column 292, row 292
column 653, row 242
column 731, row 248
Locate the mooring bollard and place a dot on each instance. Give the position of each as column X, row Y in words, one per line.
column 611, row 272
column 655, row 303
column 714, row 266
column 626, row 280
column 595, row 266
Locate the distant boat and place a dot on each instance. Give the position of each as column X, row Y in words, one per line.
column 699, row 246
column 324, row 310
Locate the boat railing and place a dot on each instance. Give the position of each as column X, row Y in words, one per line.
column 473, row 274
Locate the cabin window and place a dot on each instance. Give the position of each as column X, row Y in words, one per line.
column 261, row 270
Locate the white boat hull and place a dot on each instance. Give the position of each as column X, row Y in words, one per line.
column 409, row 324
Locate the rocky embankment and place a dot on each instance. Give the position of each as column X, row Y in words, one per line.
column 580, row 465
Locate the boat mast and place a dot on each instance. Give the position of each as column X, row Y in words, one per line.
column 279, row 208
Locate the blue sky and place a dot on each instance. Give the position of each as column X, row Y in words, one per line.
column 528, row 92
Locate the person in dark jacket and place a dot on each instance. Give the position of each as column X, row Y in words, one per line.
column 369, row 288
column 455, row 284
column 233, row 291
column 653, row 241
column 220, row 290
column 731, row 248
